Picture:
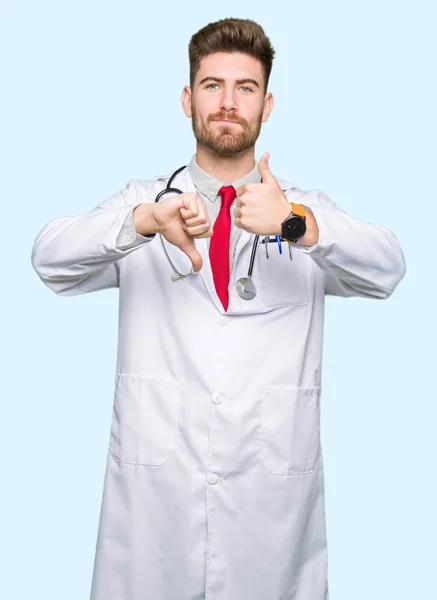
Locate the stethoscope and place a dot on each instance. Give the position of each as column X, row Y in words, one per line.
column 245, row 286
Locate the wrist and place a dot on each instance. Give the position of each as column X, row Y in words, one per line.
column 144, row 220
column 293, row 226
column 311, row 236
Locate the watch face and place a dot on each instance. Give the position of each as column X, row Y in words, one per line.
column 293, row 228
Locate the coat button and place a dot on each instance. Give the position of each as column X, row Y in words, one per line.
column 224, row 320
column 212, row 479
column 217, row 399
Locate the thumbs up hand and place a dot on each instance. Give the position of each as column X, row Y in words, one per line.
column 261, row 207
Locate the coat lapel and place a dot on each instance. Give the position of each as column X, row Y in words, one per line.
column 203, row 282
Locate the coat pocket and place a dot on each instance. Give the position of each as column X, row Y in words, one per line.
column 282, row 281
column 145, row 421
column 290, row 429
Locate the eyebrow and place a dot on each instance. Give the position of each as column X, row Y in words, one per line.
column 239, row 81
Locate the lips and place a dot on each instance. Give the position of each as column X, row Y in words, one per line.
column 226, row 121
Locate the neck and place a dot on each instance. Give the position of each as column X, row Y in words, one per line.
column 225, row 168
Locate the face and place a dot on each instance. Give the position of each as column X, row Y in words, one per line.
column 227, row 103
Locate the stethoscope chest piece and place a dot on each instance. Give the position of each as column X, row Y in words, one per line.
column 246, row 289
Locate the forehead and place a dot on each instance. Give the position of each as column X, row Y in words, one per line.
column 230, row 65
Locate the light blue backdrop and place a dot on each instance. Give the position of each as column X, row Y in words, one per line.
column 90, row 99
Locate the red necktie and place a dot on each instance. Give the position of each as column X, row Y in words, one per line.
column 219, row 245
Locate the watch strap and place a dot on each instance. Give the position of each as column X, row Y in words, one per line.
column 298, row 209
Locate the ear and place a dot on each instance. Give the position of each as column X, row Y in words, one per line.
column 186, row 101
column 268, row 107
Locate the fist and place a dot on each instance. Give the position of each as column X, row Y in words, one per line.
column 261, row 207
column 178, row 218
column 195, row 216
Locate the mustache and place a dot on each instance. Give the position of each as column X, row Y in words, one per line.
column 222, row 117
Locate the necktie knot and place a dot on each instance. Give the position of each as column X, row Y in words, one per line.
column 228, row 195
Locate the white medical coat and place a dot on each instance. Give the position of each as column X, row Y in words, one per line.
column 214, row 484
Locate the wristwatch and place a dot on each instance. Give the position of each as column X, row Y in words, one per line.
column 294, row 226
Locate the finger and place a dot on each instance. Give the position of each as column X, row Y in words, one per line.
column 241, row 211
column 242, row 198
column 207, row 234
column 237, row 223
column 173, row 203
column 196, row 221
column 197, row 231
column 189, row 249
column 241, row 190
column 190, row 206
column 264, row 169
column 190, row 213
column 201, row 218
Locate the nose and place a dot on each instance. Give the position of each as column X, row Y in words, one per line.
column 228, row 99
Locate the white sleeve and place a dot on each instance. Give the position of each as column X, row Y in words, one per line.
column 78, row 255
column 356, row 257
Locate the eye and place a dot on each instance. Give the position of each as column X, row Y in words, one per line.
column 246, row 89
column 209, row 85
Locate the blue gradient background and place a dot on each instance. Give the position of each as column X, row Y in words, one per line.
column 90, row 99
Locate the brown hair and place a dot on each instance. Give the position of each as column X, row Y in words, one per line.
column 231, row 35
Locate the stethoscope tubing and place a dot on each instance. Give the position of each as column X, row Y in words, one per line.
column 177, row 275
column 168, row 187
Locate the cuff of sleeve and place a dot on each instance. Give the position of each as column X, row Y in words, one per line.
column 128, row 237
column 320, row 247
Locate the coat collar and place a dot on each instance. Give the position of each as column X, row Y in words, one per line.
column 285, row 185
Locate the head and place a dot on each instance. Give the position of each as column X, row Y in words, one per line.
column 227, row 100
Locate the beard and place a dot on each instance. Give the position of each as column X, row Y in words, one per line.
column 223, row 139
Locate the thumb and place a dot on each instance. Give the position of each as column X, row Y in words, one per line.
column 189, row 249
column 264, row 169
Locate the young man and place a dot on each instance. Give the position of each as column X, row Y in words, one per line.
column 214, row 484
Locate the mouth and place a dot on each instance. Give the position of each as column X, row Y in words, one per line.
column 226, row 121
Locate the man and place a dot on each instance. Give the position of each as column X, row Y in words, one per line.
column 214, row 483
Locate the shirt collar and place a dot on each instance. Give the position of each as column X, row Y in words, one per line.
column 209, row 185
